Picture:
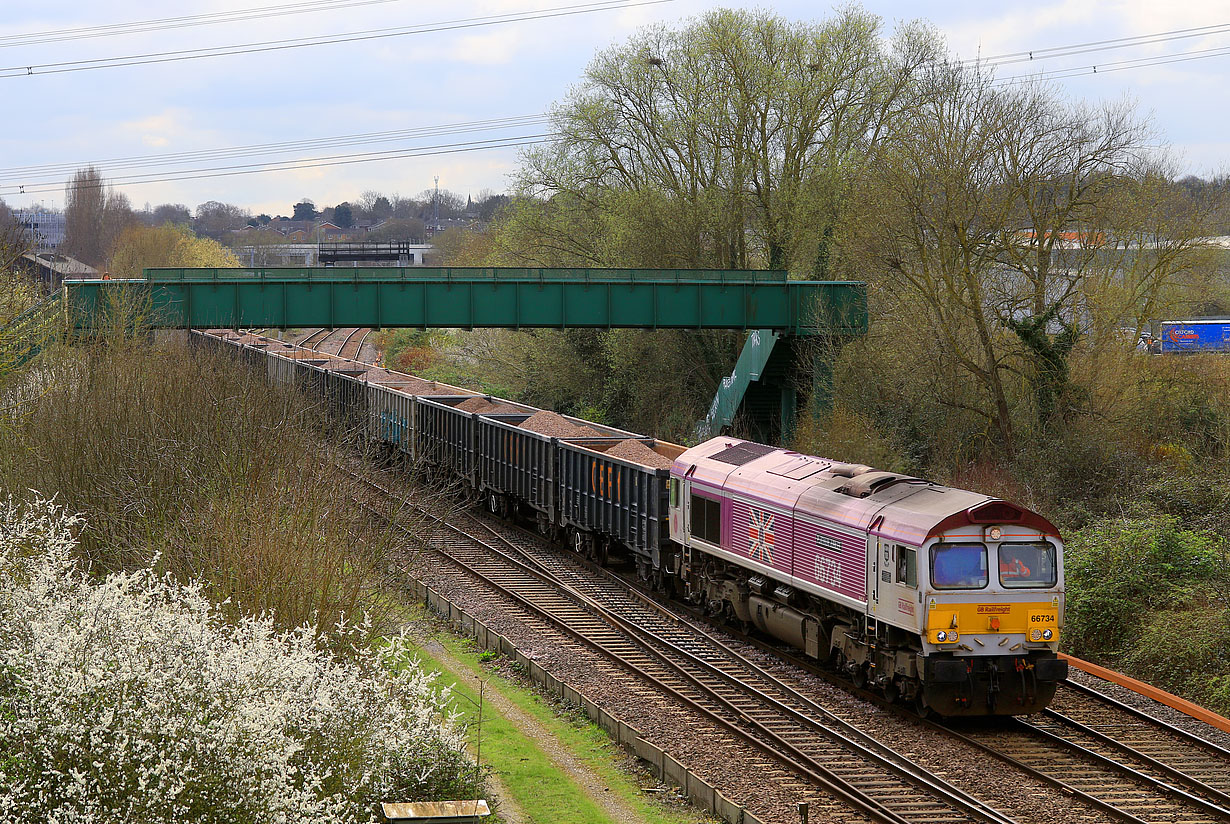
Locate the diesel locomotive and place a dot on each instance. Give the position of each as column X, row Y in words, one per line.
column 942, row 597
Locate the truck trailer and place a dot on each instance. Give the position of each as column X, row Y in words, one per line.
column 1198, row 335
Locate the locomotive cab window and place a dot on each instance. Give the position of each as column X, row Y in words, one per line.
column 674, row 493
column 907, row 566
column 959, row 566
column 1023, row 566
column 706, row 519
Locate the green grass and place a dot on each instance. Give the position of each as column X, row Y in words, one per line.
column 538, row 788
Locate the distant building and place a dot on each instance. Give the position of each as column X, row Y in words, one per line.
column 53, row 269
column 47, row 228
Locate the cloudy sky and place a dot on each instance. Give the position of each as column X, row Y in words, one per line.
column 126, row 119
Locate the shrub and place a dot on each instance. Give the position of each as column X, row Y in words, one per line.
column 133, row 699
column 196, row 460
column 1184, row 650
column 1121, row 571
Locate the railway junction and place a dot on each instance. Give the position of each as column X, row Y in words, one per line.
column 752, row 731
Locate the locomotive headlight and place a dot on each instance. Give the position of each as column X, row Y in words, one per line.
column 1047, row 635
column 994, row 533
column 941, row 636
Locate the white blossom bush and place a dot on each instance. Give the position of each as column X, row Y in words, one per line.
column 131, row 699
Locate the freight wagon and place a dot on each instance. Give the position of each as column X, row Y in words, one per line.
column 942, row 596
column 572, row 479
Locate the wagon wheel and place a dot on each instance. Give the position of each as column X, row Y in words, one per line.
column 859, row 676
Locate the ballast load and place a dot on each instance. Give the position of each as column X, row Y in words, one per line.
column 947, row 598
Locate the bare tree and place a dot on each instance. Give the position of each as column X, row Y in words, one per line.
column 1003, row 226
column 214, row 219
column 733, row 136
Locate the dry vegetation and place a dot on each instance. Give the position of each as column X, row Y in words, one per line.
column 191, row 460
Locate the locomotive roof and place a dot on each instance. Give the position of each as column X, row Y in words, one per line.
column 900, row 507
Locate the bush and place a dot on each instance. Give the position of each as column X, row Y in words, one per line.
column 193, row 459
column 1122, row 572
column 1185, row 651
column 133, row 699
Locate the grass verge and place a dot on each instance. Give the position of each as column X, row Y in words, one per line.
column 538, row 788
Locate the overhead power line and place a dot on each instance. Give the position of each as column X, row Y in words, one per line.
column 192, row 21
column 305, row 163
column 1115, row 66
column 1098, row 45
column 304, row 42
column 36, row 173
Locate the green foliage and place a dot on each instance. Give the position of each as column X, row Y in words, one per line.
column 727, row 142
column 305, row 210
column 393, row 342
column 141, row 247
column 1184, row 650
column 343, row 215
column 1125, row 575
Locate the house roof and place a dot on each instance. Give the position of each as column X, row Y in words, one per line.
column 62, row 265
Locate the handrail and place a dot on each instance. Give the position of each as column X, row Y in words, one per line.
column 750, row 366
column 449, row 273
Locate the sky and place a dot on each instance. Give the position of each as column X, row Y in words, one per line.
column 468, row 75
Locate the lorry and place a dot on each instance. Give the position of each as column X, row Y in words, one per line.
column 1195, row 335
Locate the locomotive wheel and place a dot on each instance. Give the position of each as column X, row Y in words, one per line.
column 859, row 676
column 891, row 692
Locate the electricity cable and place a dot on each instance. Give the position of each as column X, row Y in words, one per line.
column 309, row 163
column 304, row 42
column 163, row 24
column 1116, row 66
column 1097, row 45
column 33, row 172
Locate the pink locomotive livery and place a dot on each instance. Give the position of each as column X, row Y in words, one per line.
column 938, row 595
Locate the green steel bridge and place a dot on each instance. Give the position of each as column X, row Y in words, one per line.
column 781, row 313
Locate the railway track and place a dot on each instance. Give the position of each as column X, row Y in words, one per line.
column 342, row 342
column 316, row 337
column 1142, row 766
column 1124, row 762
column 1128, row 764
column 809, row 751
column 1131, row 766
column 353, row 343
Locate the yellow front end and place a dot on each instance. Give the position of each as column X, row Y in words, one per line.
column 1035, row 622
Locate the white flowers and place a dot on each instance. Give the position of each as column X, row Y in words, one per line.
column 132, row 699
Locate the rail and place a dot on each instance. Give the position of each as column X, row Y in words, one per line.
column 785, row 725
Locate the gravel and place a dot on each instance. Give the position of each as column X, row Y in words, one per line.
column 726, row 761
column 554, row 425
column 485, row 407
column 1158, row 710
column 637, row 452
